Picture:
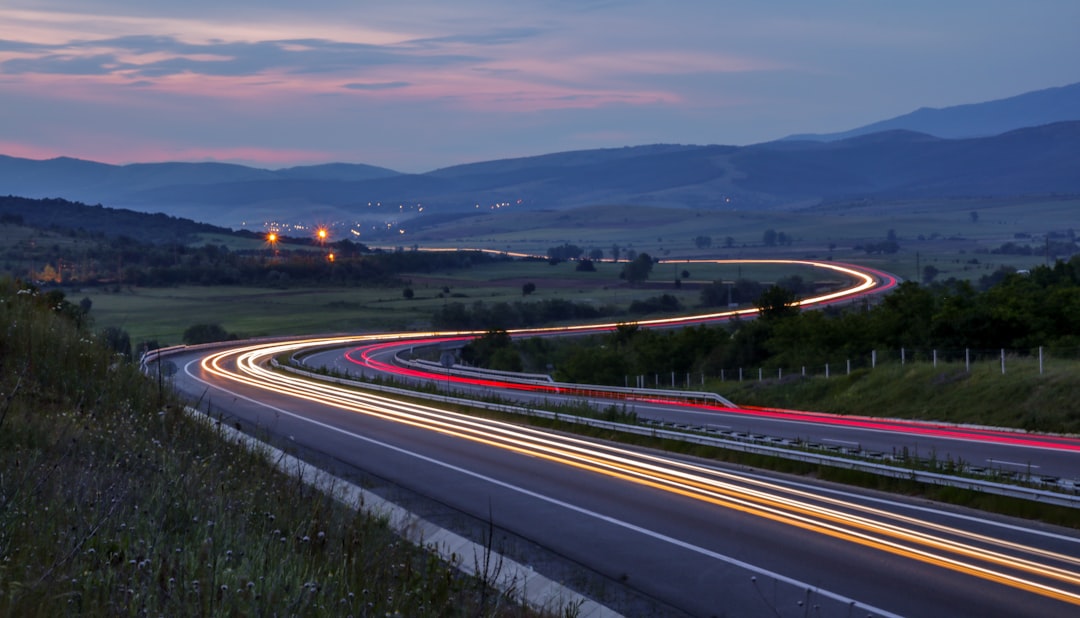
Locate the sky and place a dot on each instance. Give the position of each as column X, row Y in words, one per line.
column 419, row 85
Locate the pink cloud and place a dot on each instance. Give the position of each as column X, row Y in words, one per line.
column 121, row 154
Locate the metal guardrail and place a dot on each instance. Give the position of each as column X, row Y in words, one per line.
column 931, row 478
column 567, row 388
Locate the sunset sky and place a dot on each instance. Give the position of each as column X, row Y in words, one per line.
column 417, row 85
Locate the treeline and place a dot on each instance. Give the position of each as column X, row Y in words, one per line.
column 61, row 214
column 93, row 245
column 352, row 265
column 1018, row 312
column 503, row 315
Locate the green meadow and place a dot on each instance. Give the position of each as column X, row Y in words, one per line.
column 955, row 236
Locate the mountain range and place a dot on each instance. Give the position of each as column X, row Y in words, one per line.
column 896, row 162
column 976, row 119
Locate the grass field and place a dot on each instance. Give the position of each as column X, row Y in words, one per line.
column 162, row 314
column 942, row 233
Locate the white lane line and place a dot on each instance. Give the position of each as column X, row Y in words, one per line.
column 840, row 441
column 1012, row 463
column 583, row 511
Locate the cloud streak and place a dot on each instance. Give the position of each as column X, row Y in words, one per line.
column 435, row 84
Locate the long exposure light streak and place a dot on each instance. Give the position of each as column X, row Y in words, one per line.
column 1050, row 573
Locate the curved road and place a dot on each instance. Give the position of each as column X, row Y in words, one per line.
column 693, row 537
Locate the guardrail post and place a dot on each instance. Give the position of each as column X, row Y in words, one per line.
column 1040, row 361
column 1002, row 361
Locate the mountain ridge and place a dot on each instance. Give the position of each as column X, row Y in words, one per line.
column 892, row 162
column 1029, row 109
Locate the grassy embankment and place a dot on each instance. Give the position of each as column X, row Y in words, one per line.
column 1021, row 398
column 114, row 502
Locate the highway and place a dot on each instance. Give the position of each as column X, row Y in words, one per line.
column 1033, row 456
column 695, row 537
column 683, row 536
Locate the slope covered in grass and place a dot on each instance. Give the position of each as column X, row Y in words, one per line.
column 114, row 502
column 1020, row 398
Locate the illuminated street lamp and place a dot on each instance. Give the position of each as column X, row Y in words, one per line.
column 272, row 240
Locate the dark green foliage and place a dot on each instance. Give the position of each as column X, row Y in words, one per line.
column 502, row 315
column 116, row 247
column 1019, row 314
column 118, row 340
column 665, row 303
column 638, row 269
column 492, row 350
column 207, row 333
column 776, row 303
column 110, row 222
column 565, row 252
column 114, row 502
column 718, row 294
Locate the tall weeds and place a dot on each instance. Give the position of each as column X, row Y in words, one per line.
column 113, row 502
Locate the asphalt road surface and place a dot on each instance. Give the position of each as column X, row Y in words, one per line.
column 693, row 537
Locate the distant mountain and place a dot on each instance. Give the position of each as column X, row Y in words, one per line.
column 976, row 119
column 783, row 174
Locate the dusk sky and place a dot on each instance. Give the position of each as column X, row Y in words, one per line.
column 417, row 85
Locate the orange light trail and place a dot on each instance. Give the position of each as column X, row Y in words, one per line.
column 1040, row 571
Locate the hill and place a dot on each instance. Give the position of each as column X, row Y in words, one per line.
column 776, row 175
column 67, row 216
column 976, row 119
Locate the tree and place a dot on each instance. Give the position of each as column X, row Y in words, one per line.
column 528, row 288
column 638, row 269
column 769, row 237
column 585, row 266
column 776, row 303
column 929, row 272
column 703, row 242
column 615, row 253
column 117, row 339
column 564, row 252
column 408, row 293
column 480, row 351
column 206, row 333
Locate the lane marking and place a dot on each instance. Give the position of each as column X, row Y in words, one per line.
column 1012, row 463
column 840, row 441
column 572, row 507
